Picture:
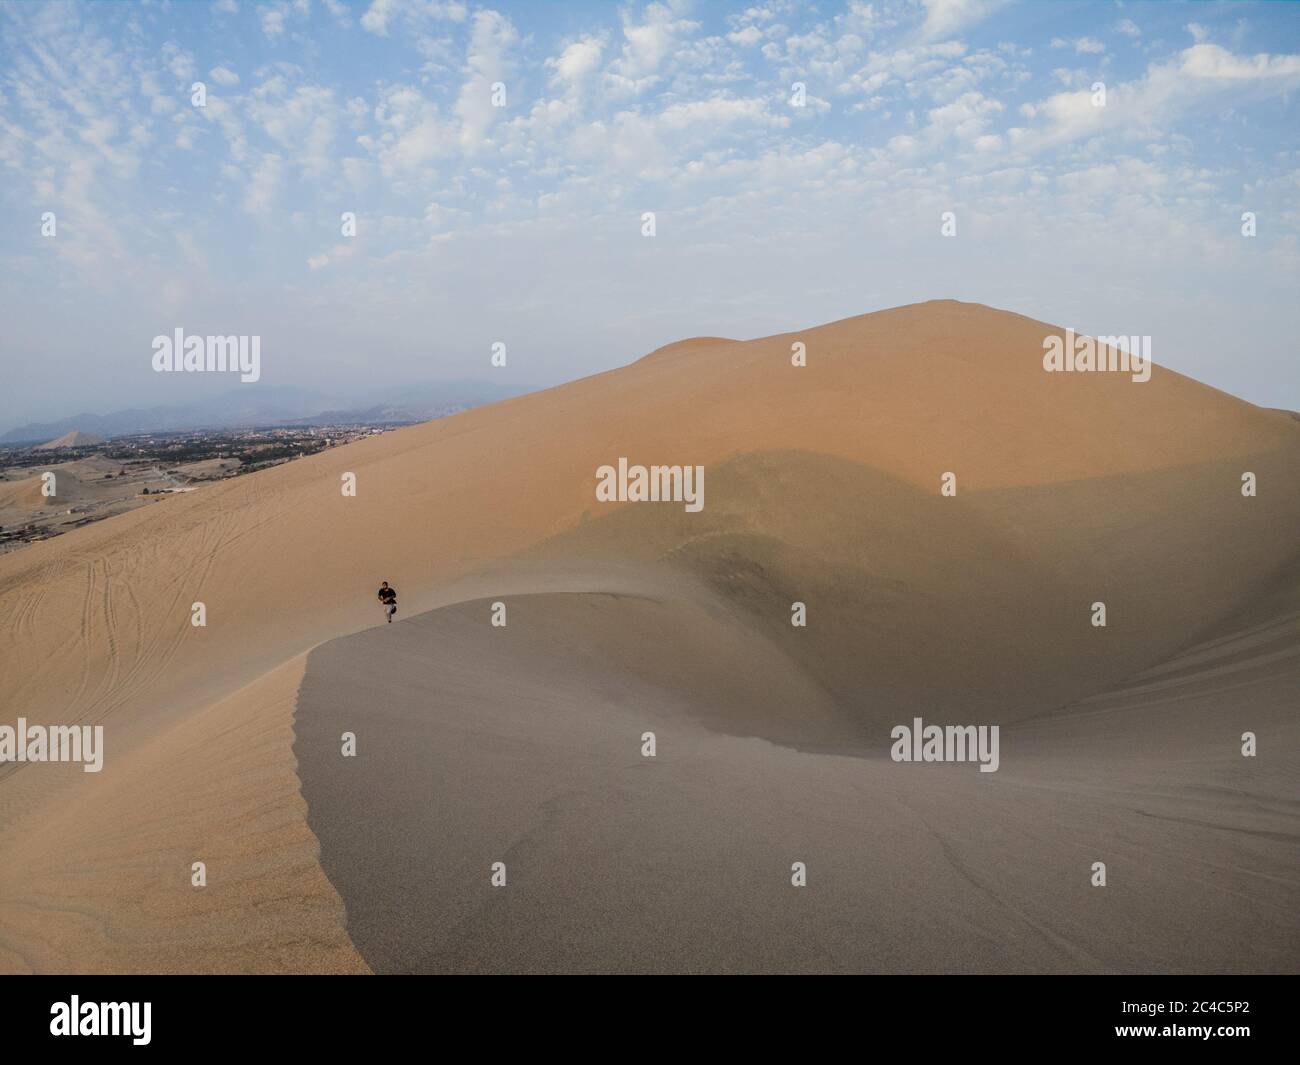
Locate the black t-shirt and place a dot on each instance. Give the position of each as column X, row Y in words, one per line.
column 388, row 595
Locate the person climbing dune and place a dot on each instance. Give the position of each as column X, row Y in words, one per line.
column 388, row 596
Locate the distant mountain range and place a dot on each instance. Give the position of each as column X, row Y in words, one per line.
column 244, row 407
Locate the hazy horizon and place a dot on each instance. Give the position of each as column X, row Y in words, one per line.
column 202, row 391
column 521, row 224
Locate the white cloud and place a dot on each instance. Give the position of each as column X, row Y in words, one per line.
column 718, row 112
column 1167, row 91
column 1210, row 62
column 965, row 118
column 746, row 38
column 222, row 113
column 377, row 16
column 336, row 254
column 646, row 45
column 272, row 20
column 412, row 133
column 944, row 18
column 178, row 61
column 1081, row 45
column 486, row 62
column 381, row 14
column 908, row 65
column 340, row 11
column 687, row 136
column 576, row 62
column 223, row 76
column 264, row 185
column 302, row 122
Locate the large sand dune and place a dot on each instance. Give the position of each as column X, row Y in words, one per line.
column 822, row 486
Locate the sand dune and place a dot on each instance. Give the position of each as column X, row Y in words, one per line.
column 23, row 495
column 823, row 486
column 523, row 745
column 105, row 885
column 72, row 438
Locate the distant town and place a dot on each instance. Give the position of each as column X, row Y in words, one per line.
column 62, row 484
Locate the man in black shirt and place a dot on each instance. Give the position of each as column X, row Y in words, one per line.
column 388, row 596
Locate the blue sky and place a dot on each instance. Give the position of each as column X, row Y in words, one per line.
column 522, row 223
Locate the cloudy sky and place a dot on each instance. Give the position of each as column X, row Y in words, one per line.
column 523, row 223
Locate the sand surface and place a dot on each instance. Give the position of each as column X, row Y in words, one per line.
column 823, row 487
column 523, row 745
